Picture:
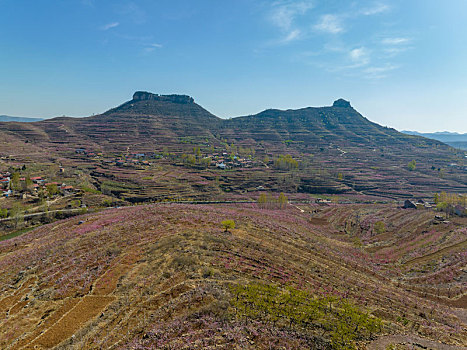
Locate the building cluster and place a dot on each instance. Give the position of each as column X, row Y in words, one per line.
column 220, row 160
column 226, row 161
column 5, row 184
column 85, row 152
column 33, row 185
column 131, row 159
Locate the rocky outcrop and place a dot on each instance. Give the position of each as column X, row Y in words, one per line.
column 147, row 96
column 342, row 103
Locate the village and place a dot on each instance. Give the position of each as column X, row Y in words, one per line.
column 13, row 185
column 220, row 160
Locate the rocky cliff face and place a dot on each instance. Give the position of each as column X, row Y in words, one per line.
column 147, row 96
column 342, row 103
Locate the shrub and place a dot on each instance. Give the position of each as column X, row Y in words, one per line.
column 3, row 213
column 76, row 203
column 52, row 190
column 290, row 307
column 380, row 227
column 107, row 203
column 90, row 190
column 207, row 272
column 228, row 224
column 183, row 261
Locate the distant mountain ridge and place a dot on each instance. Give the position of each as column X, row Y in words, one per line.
column 150, row 120
column 453, row 139
column 7, row 118
column 338, row 148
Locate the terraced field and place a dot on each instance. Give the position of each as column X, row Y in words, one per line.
column 338, row 150
column 161, row 276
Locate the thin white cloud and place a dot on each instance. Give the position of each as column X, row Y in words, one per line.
column 152, row 47
column 329, row 24
column 378, row 72
column 134, row 12
column 393, row 51
column 284, row 15
column 360, row 56
column 369, row 56
column 396, row 45
column 293, row 35
column 110, row 26
column 375, row 9
column 395, row 41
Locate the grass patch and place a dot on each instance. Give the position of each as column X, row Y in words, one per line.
column 338, row 319
column 16, row 233
column 115, row 187
column 91, row 190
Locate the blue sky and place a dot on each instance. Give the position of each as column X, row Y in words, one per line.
column 400, row 63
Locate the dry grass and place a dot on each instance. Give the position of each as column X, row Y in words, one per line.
column 156, row 276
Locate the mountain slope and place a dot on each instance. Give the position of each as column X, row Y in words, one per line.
column 168, row 117
column 161, row 277
column 453, row 139
column 146, row 120
column 339, row 150
column 339, row 124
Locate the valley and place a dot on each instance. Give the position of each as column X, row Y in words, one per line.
column 112, row 231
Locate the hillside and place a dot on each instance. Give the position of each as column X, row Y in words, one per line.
column 339, row 124
column 170, row 116
column 166, row 276
column 335, row 151
column 147, row 120
column 340, row 266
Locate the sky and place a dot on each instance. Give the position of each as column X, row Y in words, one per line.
column 400, row 63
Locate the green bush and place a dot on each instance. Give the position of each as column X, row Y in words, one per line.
column 228, row 224
column 90, row 190
column 107, row 203
column 380, row 227
column 3, row 213
column 339, row 319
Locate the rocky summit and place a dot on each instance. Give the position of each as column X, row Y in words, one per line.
column 147, row 96
column 341, row 103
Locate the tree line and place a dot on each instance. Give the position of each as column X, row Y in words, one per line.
column 268, row 201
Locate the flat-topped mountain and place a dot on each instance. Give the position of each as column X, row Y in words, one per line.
column 148, row 119
column 152, row 118
column 329, row 140
column 148, row 96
